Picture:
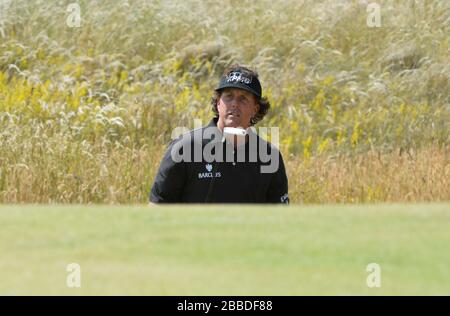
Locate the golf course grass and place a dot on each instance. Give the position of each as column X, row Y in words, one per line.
column 225, row 250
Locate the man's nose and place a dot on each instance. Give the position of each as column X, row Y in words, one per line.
column 234, row 103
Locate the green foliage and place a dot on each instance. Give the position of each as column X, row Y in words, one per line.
column 135, row 70
column 246, row 250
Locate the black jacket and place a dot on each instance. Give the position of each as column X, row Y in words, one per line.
column 204, row 181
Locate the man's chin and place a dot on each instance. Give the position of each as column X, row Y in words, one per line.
column 233, row 123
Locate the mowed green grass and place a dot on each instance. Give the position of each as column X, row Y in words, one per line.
column 225, row 250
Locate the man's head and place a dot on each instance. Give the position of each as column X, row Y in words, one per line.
column 238, row 100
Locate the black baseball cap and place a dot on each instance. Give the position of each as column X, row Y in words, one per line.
column 241, row 80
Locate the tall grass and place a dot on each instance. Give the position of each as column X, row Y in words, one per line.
column 85, row 113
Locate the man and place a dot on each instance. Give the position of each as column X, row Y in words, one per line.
column 232, row 166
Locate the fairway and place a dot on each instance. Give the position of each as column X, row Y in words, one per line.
column 225, row 250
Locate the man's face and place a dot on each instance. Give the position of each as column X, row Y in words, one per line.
column 236, row 108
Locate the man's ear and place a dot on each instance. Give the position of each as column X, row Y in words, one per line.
column 219, row 95
column 257, row 108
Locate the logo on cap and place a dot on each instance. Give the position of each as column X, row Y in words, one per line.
column 237, row 76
